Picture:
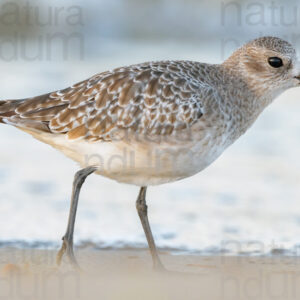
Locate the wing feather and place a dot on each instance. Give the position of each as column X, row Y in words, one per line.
column 152, row 98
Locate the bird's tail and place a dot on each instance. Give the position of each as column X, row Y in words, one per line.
column 7, row 109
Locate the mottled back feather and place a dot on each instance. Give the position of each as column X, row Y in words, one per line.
column 152, row 98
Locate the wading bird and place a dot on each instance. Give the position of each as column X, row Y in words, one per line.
column 174, row 118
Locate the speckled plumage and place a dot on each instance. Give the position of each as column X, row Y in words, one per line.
column 182, row 113
column 151, row 98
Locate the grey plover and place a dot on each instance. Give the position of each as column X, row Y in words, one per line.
column 156, row 122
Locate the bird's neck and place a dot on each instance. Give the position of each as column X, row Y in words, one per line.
column 246, row 100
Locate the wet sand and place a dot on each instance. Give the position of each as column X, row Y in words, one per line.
column 127, row 274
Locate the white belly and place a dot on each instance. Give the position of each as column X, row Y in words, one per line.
column 138, row 163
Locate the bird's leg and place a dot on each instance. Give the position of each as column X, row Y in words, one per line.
column 142, row 209
column 67, row 245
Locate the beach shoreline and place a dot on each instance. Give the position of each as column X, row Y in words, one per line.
column 128, row 274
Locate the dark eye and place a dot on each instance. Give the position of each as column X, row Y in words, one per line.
column 275, row 62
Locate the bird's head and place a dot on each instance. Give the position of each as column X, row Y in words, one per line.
column 268, row 65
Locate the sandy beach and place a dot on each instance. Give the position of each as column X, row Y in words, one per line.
column 127, row 274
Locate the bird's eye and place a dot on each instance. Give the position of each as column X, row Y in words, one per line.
column 275, row 62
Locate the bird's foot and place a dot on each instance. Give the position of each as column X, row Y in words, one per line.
column 67, row 247
column 159, row 267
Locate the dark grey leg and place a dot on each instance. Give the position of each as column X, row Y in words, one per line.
column 142, row 209
column 67, row 245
